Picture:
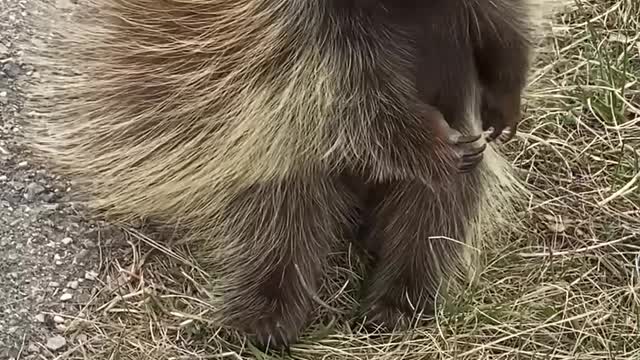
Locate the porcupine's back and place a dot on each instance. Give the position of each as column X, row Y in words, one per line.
column 162, row 108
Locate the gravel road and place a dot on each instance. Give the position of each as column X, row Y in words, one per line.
column 48, row 252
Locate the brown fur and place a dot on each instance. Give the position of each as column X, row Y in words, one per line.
column 240, row 121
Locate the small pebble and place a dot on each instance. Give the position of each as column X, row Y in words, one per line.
column 90, row 275
column 56, row 343
column 34, row 189
column 17, row 185
column 40, row 318
column 64, row 4
column 12, row 69
column 33, row 348
column 67, row 241
column 58, row 319
column 73, row 285
column 66, row 297
column 82, row 254
column 54, row 284
column 82, row 338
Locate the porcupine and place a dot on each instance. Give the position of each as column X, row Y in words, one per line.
column 263, row 125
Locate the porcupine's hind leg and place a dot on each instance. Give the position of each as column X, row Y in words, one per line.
column 416, row 237
column 278, row 237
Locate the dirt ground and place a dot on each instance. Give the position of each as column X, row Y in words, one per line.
column 47, row 250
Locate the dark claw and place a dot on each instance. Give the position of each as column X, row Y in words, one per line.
column 287, row 350
column 477, row 151
column 465, row 168
column 508, row 135
column 502, row 134
column 267, row 338
column 472, row 160
column 495, row 133
column 468, row 139
column 386, row 318
column 468, row 168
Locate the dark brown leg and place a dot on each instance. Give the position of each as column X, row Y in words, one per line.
column 410, row 264
column 278, row 237
column 502, row 50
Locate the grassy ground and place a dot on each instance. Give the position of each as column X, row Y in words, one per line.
column 564, row 283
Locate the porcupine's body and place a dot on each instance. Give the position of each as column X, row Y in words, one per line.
column 262, row 126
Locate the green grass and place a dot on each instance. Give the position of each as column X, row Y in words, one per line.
column 563, row 283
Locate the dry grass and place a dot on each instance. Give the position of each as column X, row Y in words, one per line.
column 562, row 284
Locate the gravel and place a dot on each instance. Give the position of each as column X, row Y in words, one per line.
column 48, row 253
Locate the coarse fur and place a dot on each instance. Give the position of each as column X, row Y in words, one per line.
column 261, row 126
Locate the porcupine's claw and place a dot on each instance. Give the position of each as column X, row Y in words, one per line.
column 267, row 337
column 387, row 317
column 502, row 122
column 502, row 134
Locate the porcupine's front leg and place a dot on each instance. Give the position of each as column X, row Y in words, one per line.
column 421, row 145
column 279, row 236
column 416, row 238
column 502, row 51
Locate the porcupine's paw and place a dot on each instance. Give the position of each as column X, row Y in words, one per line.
column 501, row 135
column 468, row 151
column 386, row 316
column 273, row 333
column 270, row 320
column 500, row 116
